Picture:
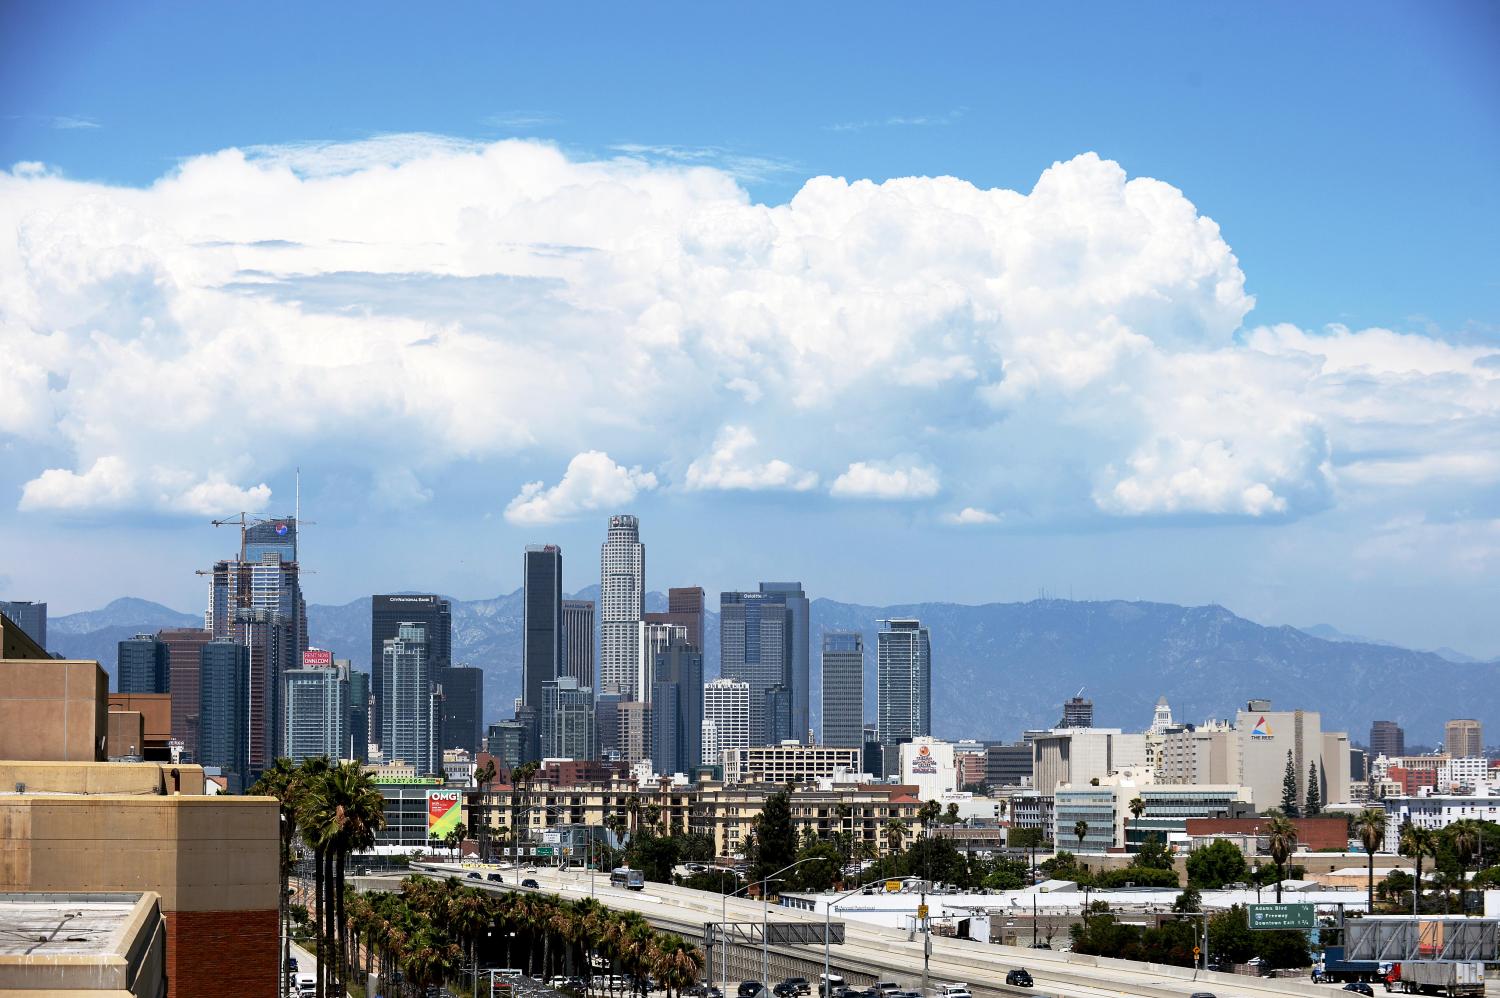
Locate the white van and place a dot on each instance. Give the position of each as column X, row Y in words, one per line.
column 953, row 991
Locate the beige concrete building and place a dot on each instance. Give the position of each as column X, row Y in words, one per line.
column 789, row 762
column 1207, row 754
column 1266, row 736
column 1078, row 755
column 95, row 945
column 1463, row 738
column 727, row 814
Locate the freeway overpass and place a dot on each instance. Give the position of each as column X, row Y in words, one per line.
column 873, row 952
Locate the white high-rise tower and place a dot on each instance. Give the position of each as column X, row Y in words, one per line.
column 622, row 602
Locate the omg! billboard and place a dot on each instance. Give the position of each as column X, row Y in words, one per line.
column 444, row 811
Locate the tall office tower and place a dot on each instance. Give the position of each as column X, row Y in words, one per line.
column 506, row 742
column 684, row 608
column 622, row 602
column 677, row 705
column 654, row 639
column 224, row 724
column 755, row 647
column 874, row 755
column 463, row 707
column 143, row 665
column 1387, row 739
column 798, row 679
column 904, row 676
column 185, row 659
column 1463, row 739
column 317, row 712
column 567, row 716
column 726, row 704
column 578, row 641
column 387, row 613
column 358, row 748
column 779, row 716
column 406, row 719
column 607, row 724
column 1077, row 713
column 843, row 670
column 530, row 720
column 541, row 621
column 268, row 636
column 634, row 719
column 29, row 617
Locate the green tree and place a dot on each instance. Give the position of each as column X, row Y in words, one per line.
column 1152, row 854
column 1080, row 832
column 1140, row 876
column 1005, row 875
column 895, row 834
column 1467, row 840
column 774, row 845
column 1417, row 842
column 929, row 813
column 1281, row 836
column 1229, row 935
column 950, row 816
column 817, row 876
column 1369, row 828
column 1217, row 864
column 1188, row 902
column 1314, row 806
column 1289, row 789
column 1137, row 808
column 654, row 855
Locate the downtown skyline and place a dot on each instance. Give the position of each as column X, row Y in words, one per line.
column 1022, row 357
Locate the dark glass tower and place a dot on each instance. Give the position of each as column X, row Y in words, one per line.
column 677, row 708
column 843, row 689
column 143, row 665
column 798, row 681
column 463, row 707
column 224, row 721
column 541, row 623
column 755, row 647
column 387, row 613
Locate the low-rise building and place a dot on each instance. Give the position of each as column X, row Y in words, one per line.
column 1435, row 812
column 1111, row 824
column 790, row 762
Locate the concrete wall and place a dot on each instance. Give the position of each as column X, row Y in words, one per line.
column 53, row 710
column 127, row 734
column 155, row 708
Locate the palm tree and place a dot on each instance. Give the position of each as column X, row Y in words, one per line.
column 280, row 781
column 1137, row 808
column 1281, row 836
column 895, row 831
column 677, row 965
column 1466, row 838
column 310, row 775
column 1417, row 842
column 342, row 812
column 1080, row 831
column 1369, row 828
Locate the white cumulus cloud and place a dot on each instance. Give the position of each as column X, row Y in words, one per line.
column 592, row 482
column 971, row 516
column 729, row 466
column 885, row 480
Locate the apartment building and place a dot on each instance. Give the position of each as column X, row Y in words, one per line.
column 789, row 763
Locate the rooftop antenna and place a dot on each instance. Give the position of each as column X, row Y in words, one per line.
column 297, row 516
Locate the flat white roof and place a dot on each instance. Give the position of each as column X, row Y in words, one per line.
column 52, row 924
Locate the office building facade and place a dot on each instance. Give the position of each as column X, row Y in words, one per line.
column 406, row 723
column 1463, row 738
column 462, row 707
column 843, row 672
column 685, row 610
column 317, row 713
column 541, row 621
column 29, row 617
column 143, row 665
column 567, row 720
column 677, row 705
column 1387, row 739
column 1007, row 764
column 387, row 613
column 1078, row 713
column 798, row 678
column 224, row 724
column 904, row 674
column 755, row 647
column 359, row 716
column 578, row 641
column 184, row 660
column 622, row 604
column 726, row 708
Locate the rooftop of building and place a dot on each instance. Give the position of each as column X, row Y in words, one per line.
column 74, row 924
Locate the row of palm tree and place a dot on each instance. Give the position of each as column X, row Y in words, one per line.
column 336, row 809
column 433, row 930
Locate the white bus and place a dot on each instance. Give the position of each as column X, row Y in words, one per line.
column 625, row 877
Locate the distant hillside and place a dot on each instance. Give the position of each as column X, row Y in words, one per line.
column 998, row 668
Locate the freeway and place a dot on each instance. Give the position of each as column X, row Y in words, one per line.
column 894, row 953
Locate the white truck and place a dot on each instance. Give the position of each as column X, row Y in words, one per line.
column 1437, row 977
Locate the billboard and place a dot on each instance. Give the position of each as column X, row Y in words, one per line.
column 444, row 811
column 317, row 658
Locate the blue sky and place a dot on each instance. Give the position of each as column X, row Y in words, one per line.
column 1194, row 431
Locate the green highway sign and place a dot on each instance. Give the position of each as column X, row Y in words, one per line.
column 544, row 850
column 1283, row 916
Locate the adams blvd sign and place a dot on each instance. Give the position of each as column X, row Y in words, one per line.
column 1283, row 916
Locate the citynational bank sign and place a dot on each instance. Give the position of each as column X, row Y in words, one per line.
column 426, row 600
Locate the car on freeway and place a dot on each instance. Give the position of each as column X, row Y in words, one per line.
column 528, row 882
column 750, row 989
column 557, row 981
column 954, row 991
column 1019, row 978
column 1203, row 994
column 495, row 878
column 887, row 988
column 473, row 875
column 792, row 987
column 1359, row 988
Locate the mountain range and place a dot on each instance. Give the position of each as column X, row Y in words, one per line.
column 998, row 668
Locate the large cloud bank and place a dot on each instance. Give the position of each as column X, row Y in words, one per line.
column 989, row 356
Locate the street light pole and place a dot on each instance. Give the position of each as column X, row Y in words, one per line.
column 765, row 944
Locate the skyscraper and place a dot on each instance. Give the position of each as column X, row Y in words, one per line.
column 567, row 716
column 578, row 641
column 317, row 712
column 268, row 636
column 726, row 709
column 463, row 707
column 755, row 638
column 904, row 674
column 223, row 725
column 798, row 674
column 185, row 660
column 1387, row 739
column 677, row 705
column 654, row 638
column 1077, row 713
column 386, row 616
column 779, row 715
column 406, row 720
column 541, row 621
column 607, row 724
column 684, row 608
column 359, row 716
column 29, row 617
column 843, row 668
column 143, row 665
column 1463, row 739
column 622, row 602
